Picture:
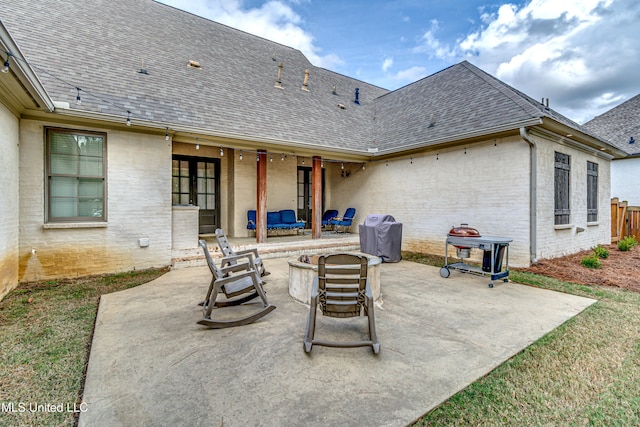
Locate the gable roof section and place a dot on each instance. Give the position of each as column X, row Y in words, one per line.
column 619, row 125
column 459, row 102
column 101, row 47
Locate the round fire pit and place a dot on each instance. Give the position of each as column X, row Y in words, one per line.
column 302, row 273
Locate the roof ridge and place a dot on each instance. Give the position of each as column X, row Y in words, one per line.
column 527, row 103
column 312, row 65
column 417, row 81
column 517, row 97
column 617, row 108
column 229, row 27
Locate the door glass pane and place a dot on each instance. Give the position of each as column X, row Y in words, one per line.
column 202, row 185
column 184, row 185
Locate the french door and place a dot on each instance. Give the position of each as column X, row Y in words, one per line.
column 305, row 204
column 196, row 181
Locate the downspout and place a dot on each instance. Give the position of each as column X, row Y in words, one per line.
column 533, row 175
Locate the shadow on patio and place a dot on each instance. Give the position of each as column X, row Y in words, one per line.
column 151, row 364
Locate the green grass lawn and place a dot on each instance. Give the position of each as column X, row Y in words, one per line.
column 45, row 334
column 586, row 372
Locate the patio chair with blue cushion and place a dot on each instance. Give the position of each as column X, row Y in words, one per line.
column 327, row 216
column 227, row 250
column 251, row 219
column 344, row 223
column 342, row 290
column 235, row 280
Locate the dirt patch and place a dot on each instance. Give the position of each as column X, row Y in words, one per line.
column 621, row 269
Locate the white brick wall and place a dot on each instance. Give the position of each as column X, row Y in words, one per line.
column 281, row 187
column 487, row 188
column 184, row 227
column 625, row 180
column 9, row 134
column 138, row 206
column 554, row 241
column 484, row 184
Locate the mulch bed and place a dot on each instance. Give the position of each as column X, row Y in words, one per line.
column 621, row 269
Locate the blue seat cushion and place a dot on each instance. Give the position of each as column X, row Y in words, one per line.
column 273, row 218
column 350, row 213
column 331, row 213
column 251, row 220
column 288, row 216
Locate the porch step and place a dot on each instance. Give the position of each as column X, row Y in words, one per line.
column 193, row 257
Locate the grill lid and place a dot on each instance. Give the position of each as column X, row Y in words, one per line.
column 463, row 231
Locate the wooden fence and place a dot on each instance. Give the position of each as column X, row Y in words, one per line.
column 625, row 220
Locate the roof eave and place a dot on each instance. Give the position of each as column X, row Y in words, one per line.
column 24, row 72
column 190, row 134
column 586, row 139
column 460, row 138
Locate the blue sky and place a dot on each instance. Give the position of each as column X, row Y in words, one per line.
column 584, row 55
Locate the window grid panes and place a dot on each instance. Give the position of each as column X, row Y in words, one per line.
column 76, row 175
column 206, row 185
column 180, row 182
column 301, row 196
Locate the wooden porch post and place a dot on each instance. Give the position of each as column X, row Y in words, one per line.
column 316, row 198
column 261, row 197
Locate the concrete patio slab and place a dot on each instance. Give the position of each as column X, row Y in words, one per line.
column 151, row 364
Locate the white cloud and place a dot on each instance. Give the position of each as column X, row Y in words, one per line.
column 410, row 75
column 432, row 46
column 273, row 20
column 386, row 64
column 582, row 54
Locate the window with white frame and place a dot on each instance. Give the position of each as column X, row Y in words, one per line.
column 76, row 175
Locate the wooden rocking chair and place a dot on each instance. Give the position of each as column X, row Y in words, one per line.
column 235, row 279
column 227, row 250
column 342, row 290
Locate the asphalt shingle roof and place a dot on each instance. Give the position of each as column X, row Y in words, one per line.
column 619, row 125
column 100, row 46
